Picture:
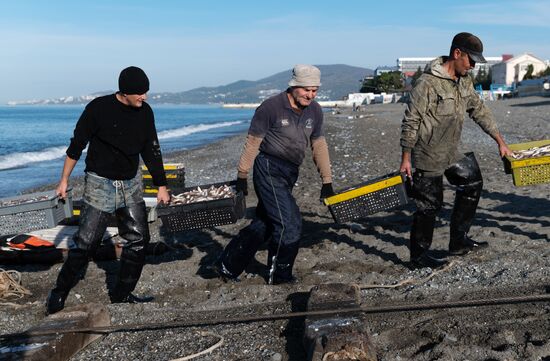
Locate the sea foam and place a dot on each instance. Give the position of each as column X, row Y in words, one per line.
column 190, row 129
column 16, row 160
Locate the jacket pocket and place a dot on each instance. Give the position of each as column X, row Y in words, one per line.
column 445, row 106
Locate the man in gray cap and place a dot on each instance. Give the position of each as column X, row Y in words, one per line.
column 430, row 134
column 118, row 129
column 282, row 128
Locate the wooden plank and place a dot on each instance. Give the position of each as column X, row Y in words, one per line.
column 59, row 347
column 337, row 337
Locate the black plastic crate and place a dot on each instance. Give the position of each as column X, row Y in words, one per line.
column 376, row 195
column 30, row 212
column 219, row 212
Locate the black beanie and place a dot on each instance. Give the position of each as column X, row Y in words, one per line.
column 133, row 80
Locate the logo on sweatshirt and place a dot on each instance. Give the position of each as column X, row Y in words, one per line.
column 284, row 122
column 309, row 123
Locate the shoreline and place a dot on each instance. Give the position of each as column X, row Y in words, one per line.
column 194, row 174
column 371, row 251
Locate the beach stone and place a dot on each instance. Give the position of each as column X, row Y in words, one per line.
column 61, row 346
column 337, row 336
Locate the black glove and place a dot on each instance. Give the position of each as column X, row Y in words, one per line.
column 326, row 191
column 242, row 186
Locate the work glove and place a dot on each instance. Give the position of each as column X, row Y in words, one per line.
column 326, row 191
column 242, row 186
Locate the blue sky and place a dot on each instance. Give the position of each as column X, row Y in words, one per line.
column 60, row 48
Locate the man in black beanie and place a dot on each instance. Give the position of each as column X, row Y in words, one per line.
column 118, row 129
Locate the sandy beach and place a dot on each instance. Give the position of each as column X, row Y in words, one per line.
column 373, row 251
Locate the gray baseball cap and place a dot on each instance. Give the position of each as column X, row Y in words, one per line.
column 305, row 75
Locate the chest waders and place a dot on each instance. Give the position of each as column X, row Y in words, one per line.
column 132, row 226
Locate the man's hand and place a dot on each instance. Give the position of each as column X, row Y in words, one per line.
column 504, row 150
column 61, row 189
column 502, row 147
column 406, row 165
column 163, row 196
column 242, row 186
column 326, row 191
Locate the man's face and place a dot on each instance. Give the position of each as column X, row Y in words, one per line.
column 135, row 100
column 304, row 95
column 464, row 63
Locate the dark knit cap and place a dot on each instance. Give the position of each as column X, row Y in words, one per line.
column 470, row 44
column 133, row 80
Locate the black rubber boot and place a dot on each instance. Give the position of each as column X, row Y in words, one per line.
column 467, row 177
column 68, row 277
column 280, row 263
column 240, row 250
column 131, row 265
column 421, row 233
column 132, row 226
column 92, row 225
column 426, row 260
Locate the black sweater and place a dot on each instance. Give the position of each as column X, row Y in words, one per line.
column 117, row 135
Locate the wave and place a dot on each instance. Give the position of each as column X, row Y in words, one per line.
column 16, row 160
column 22, row 159
column 190, row 129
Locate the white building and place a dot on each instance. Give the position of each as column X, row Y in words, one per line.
column 408, row 66
column 513, row 70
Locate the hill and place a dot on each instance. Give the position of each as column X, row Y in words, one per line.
column 337, row 81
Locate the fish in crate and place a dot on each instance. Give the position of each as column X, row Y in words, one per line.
column 204, row 206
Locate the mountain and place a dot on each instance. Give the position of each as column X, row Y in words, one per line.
column 337, row 81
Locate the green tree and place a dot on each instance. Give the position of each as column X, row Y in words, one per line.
column 544, row 72
column 389, row 82
column 529, row 73
column 368, row 86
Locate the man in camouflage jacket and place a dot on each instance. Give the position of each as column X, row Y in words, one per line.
column 431, row 130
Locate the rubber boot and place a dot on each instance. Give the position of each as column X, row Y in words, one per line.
column 132, row 226
column 71, row 272
column 464, row 210
column 240, row 250
column 131, row 265
column 92, row 225
column 280, row 263
column 466, row 175
column 421, row 233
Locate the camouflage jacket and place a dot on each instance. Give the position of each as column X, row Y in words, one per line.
column 433, row 120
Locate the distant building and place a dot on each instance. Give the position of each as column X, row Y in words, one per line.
column 409, row 66
column 513, row 69
column 384, row 69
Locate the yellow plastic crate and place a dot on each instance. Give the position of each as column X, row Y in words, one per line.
column 528, row 171
column 175, row 177
column 367, row 198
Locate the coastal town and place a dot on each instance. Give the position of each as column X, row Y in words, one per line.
column 321, row 213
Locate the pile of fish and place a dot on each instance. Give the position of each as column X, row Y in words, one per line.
column 201, row 195
column 532, row 152
column 16, row 202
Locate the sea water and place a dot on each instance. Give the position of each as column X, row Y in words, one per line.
column 33, row 139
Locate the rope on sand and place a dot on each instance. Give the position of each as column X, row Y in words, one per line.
column 10, row 285
column 411, row 281
column 208, row 350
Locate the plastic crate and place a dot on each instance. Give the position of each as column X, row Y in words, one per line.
column 367, row 198
column 175, row 178
column 528, row 171
column 32, row 215
column 205, row 214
